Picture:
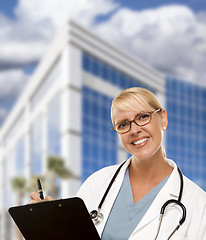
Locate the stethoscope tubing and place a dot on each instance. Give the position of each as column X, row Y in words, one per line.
column 110, row 185
column 97, row 216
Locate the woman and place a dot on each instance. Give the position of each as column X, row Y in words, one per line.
column 146, row 181
column 131, row 209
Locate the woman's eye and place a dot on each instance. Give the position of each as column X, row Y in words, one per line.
column 122, row 125
column 143, row 116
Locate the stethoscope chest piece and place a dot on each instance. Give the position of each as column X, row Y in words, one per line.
column 96, row 216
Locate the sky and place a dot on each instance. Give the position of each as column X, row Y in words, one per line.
column 167, row 35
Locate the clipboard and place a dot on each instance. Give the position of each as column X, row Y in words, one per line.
column 61, row 219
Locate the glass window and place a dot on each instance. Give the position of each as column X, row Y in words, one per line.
column 9, row 174
column 20, row 156
column 185, row 137
column 52, row 77
column 107, row 73
column 18, row 126
column 54, row 126
column 96, row 67
column 86, row 62
column 36, row 146
column 99, row 143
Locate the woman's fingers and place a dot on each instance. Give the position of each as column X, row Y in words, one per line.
column 48, row 198
column 36, row 198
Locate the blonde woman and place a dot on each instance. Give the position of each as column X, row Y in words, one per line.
column 131, row 209
column 125, row 200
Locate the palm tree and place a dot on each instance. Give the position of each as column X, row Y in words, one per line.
column 19, row 186
column 22, row 186
column 56, row 167
column 32, row 183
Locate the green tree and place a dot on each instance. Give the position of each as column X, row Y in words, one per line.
column 56, row 168
column 19, row 186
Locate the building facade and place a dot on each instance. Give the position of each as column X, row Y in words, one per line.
column 65, row 111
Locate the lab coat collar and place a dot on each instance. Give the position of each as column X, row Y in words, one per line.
column 174, row 177
column 174, row 180
column 173, row 189
column 169, row 191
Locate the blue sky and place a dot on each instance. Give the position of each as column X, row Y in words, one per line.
column 7, row 7
column 167, row 35
column 196, row 5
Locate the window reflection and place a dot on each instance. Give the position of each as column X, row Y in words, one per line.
column 20, row 157
column 36, row 146
column 54, row 126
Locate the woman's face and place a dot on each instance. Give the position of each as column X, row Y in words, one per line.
column 142, row 142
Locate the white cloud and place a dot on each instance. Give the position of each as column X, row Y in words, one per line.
column 19, row 43
column 59, row 11
column 11, row 83
column 170, row 38
column 24, row 39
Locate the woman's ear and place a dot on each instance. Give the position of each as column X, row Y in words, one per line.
column 164, row 119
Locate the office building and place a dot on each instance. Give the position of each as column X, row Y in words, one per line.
column 65, row 111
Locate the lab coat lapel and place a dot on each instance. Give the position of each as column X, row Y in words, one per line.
column 169, row 191
column 106, row 208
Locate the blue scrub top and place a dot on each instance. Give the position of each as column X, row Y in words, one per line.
column 125, row 215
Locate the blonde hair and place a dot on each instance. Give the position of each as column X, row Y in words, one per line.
column 134, row 98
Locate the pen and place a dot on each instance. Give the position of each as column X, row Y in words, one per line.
column 40, row 191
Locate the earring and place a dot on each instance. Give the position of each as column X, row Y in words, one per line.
column 164, row 128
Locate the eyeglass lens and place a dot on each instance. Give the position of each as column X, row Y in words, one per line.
column 140, row 119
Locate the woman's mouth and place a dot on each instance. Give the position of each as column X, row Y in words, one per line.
column 140, row 141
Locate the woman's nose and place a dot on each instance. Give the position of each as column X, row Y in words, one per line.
column 135, row 128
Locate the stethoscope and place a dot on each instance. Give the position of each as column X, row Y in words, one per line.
column 98, row 217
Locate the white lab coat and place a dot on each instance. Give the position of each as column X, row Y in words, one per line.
column 194, row 199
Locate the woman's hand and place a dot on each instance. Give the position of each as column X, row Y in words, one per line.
column 35, row 198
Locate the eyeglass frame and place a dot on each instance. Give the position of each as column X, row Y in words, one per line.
column 130, row 122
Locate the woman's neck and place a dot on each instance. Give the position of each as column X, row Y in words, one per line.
column 154, row 169
column 144, row 176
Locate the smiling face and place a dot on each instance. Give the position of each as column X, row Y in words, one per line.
column 143, row 142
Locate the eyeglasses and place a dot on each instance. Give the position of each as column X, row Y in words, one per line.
column 140, row 119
